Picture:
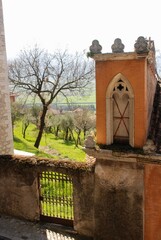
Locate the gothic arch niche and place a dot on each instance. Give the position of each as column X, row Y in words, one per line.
column 120, row 111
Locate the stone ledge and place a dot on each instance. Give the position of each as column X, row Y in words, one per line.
column 44, row 163
column 124, row 157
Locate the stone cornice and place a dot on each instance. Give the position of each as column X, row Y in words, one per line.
column 118, row 56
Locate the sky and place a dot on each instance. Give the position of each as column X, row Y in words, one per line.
column 74, row 24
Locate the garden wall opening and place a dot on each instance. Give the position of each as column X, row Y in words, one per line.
column 20, row 189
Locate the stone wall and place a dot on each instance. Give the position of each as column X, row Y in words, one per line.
column 84, row 200
column 115, row 197
column 118, row 200
column 19, row 193
column 127, row 202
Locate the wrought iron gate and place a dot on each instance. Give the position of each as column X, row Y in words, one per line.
column 56, row 198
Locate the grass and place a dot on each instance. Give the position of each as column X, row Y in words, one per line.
column 50, row 146
column 23, row 145
column 56, row 191
column 57, row 195
column 88, row 97
column 79, row 99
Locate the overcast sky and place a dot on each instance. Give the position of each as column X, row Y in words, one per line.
column 73, row 24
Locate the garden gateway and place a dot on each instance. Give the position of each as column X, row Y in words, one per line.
column 115, row 193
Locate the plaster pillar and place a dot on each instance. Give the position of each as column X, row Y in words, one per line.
column 6, row 137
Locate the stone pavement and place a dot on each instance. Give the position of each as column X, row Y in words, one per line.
column 16, row 229
column 23, row 153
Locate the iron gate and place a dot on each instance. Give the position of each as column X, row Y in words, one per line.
column 56, row 198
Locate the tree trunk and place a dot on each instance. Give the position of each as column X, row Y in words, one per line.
column 84, row 132
column 78, row 137
column 66, row 134
column 73, row 137
column 42, row 125
column 57, row 131
column 24, row 130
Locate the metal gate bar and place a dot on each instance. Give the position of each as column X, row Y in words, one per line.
column 56, row 197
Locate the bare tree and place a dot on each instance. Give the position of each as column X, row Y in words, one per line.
column 47, row 75
column 16, row 113
column 67, row 125
column 26, row 120
column 84, row 120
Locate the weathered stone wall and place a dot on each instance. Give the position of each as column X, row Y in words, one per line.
column 118, row 200
column 18, row 190
column 6, row 139
column 84, row 198
column 117, row 197
column 127, row 203
column 19, row 193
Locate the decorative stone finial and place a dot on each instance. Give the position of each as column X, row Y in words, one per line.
column 95, row 47
column 149, row 147
column 118, row 46
column 141, row 45
column 90, row 142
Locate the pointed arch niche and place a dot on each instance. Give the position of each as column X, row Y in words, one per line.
column 120, row 111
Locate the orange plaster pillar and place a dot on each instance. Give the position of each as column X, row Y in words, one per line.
column 152, row 202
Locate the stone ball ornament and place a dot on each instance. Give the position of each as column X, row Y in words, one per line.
column 118, row 46
column 141, row 45
column 95, row 48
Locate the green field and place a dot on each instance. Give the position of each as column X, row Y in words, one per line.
column 50, row 146
column 87, row 98
column 56, row 192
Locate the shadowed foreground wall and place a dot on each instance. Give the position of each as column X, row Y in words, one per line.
column 19, row 192
column 118, row 200
column 115, row 198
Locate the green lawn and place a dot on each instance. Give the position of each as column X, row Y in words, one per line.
column 56, row 195
column 55, row 148
column 88, row 97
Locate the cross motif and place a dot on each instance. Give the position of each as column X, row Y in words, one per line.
column 120, row 87
column 121, row 118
